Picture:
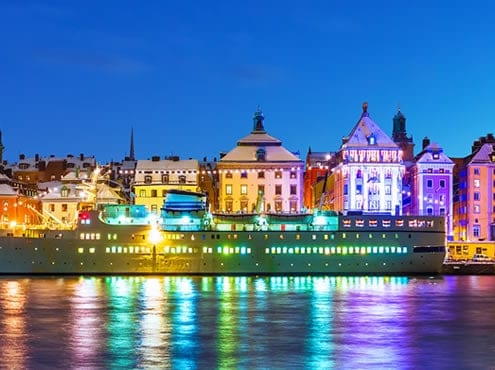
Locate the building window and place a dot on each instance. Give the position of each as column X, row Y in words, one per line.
column 476, row 183
column 244, row 205
column 476, row 195
column 278, row 189
column 147, row 179
column 429, row 183
column 244, row 189
column 228, row 175
column 278, row 206
column 293, row 175
column 359, row 189
column 476, row 208
column 442, row 183
column 476, row 231
column 261, row 174
column 228, row 189
column 164, row 193
column 244, row 175
column 293, row 189
column 260, row 155
column 165, row 179
column 345, row 189
column 388, row 189
column 429, row 211
column 182, row 179
column 293, row 206
column 154, row 209
column 228, row 205
column 153, row 193
column 52, row 207
column 142, row 193
column 442, row 211
column 64, row 207
column 278, row 174
column 476, row 171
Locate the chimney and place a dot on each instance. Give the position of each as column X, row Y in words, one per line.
column 81, row 156
column 22, row 157
column 36, row 157
column 155, row 158
column 426, row 142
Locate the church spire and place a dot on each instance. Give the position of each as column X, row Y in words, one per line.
column 131, row 151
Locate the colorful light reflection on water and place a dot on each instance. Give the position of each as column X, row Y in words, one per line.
column 247, row 322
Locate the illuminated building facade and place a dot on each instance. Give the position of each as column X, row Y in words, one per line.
column 368, row 176
column 474, row 193
column 153, row 178
column 318, row 166
column 259, row 174
column 432, row 184
column 19, row 205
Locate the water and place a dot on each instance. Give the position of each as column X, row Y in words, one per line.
column 247, row 322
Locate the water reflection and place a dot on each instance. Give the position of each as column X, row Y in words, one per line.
column 246, row 322
column 13, row 323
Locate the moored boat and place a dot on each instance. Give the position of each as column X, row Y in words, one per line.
column 187, row 239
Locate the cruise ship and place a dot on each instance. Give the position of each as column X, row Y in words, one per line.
column 188, row 239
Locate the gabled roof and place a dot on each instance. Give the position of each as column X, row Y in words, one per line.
column 430, row 153
column 366, row 133
column 483, row 154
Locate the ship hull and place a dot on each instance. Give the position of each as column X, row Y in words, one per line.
column 260, row 253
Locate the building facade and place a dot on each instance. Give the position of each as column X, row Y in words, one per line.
column 260, row 175
column 153, row 178
column 432, row 185
column 369, row 170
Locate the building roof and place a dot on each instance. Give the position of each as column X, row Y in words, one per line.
column 167, row 164
column 433, row 153
column 367, row 133
column 483, row 154
column 247, row 147
column 6, row 189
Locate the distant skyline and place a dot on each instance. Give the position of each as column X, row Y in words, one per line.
column 187, row 76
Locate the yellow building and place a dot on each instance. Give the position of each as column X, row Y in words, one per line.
column 259, row 174
column 153, row 178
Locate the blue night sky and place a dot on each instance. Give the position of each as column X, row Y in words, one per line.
column 187, row 75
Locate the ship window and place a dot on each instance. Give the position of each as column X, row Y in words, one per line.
column 267, row 250
column 384, row 236
column 281, row 237
column 80, row 250
column 370, row 236
column 266, row 236
column 344, row 235
column 313, row 236
column 98, row 236
column 81, row 236
column 396, row 236
column 357, row 235
column 298, row 236
column 327, row 250
column 91, row 250
column 325, row 237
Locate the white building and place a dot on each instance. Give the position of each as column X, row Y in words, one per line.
column 369, row 173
